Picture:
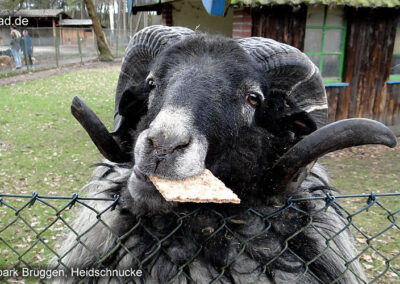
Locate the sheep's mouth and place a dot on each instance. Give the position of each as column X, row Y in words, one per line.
column 202, row 188
column 140, row 175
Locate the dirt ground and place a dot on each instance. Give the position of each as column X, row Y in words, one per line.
column 46, row 73
column 364, row 152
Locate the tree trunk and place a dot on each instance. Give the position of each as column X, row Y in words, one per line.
column 102, row 45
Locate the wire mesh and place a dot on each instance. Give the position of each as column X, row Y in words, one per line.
column 63, row 46
column 32, row 227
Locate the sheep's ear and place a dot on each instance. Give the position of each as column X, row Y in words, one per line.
column 133, row 103
column 279, row 118
column 131, row 107
column 298, row 122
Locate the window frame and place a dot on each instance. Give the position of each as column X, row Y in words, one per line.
column 322, row 52
column 394, row 77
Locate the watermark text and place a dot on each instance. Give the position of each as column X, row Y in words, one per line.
column 74, row 272
column 17, row 21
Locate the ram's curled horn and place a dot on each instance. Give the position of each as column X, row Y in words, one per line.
column 291, row 73
column 103, row 140
column 141, row 50
column 292, row 168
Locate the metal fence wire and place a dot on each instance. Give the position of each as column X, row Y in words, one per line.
column 54, row 48
column 32, row 227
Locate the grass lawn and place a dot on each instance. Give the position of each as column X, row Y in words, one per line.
column 369, row 169
column 44, row 149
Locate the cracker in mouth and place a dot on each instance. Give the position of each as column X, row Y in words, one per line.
column 203, row 188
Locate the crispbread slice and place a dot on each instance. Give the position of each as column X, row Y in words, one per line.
column 203, row 188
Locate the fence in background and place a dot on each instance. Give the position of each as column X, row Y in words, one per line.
column 63, row 46
column 31, row 228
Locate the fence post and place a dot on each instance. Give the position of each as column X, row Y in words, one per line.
column 117, row 42
column 79, row 45
column 27, row 64
column 95, row 44
column 57, row 46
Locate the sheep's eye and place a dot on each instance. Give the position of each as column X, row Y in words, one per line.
column 253, row 99
column 151, row 84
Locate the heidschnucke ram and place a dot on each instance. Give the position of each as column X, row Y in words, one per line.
column 254, row 112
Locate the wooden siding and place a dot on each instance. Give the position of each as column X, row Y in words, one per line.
column 392, row 107
column 70, row 35
column 335, row 101
column 369, row 48
column 389, row 112
column 283, row 23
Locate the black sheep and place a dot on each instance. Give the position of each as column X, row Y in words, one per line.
column 253, row 112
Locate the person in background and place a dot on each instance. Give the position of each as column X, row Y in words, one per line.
column 15, row 46
column 26, row 46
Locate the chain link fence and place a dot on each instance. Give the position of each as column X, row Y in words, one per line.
column 32, row 227
column 61, row 46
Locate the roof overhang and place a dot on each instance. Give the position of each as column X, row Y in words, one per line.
column 34, row 13
column 135, row 6
column 353, row 3
column 75, row 22
column 213, row 7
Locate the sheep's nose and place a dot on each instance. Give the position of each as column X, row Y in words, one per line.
column 165, row 146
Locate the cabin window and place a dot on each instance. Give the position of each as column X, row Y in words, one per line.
column 395, row 68
column 325, row 40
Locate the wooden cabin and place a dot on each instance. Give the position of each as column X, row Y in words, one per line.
column 41, row 24
column 71, row 29
column 355, row 44
column 356, row 47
